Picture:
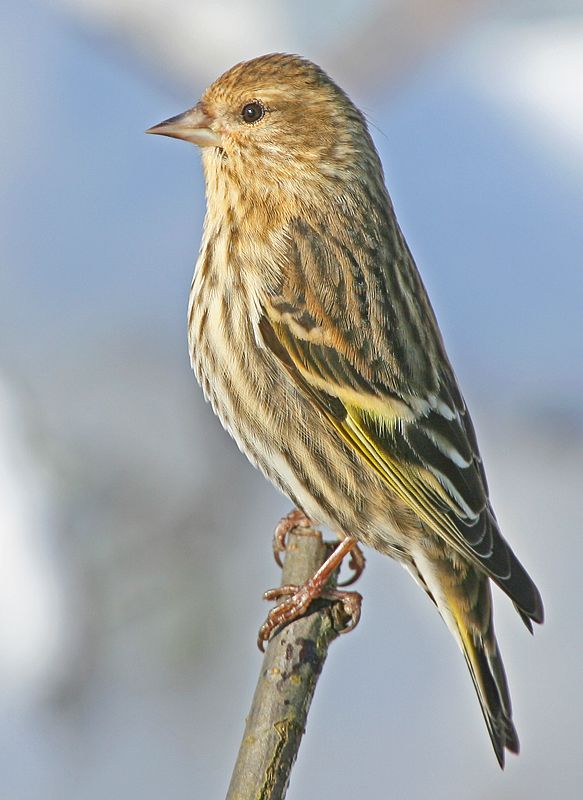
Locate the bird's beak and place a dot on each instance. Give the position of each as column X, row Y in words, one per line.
column 192, row 126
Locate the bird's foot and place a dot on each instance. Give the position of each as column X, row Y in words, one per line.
column 297, row 602
column 298, row 598
column 295, row 519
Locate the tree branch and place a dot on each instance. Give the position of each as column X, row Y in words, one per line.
column 287, row 681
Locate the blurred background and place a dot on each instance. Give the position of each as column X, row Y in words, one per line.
column 135, row 540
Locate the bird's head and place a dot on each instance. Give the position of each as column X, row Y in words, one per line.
column 280, row 123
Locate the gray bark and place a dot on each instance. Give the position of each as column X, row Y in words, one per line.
column 287, row 681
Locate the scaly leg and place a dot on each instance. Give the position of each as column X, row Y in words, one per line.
column 356, row 563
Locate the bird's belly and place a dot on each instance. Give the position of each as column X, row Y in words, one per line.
column 288, row 439
column 261, row 413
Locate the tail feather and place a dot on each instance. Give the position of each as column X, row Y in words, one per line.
column 487, row 671
column 462, row 595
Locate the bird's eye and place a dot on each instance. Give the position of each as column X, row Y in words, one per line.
column 252, row 112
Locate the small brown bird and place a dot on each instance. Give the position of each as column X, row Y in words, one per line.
column 312, row 336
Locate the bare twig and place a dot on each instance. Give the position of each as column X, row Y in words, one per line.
column 287, row 681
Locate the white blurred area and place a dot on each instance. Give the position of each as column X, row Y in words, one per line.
column 390, row 35
column 32, row 619
column 134, row 538
column 536, row 78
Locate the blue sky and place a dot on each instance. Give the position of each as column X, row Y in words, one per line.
column 103, row 223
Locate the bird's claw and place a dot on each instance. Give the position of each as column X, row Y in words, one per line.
column 297, row 602
column 352, row 602
column 295, row 519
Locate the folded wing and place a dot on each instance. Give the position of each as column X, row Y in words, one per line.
column 398, row 408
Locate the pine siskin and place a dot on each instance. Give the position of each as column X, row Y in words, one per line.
column 312, row 336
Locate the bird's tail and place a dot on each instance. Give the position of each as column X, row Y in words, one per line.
column 487, row 670
column 463, row 598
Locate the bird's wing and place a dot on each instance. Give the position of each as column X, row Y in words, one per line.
column 400, row 411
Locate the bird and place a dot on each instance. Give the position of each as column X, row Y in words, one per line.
column 313, row 337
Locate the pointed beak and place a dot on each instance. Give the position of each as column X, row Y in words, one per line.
column 192, row 126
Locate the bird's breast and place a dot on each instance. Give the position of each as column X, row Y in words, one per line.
column 273, row 422
column 239, row 376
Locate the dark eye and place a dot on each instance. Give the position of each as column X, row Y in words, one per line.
column 252, row 112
